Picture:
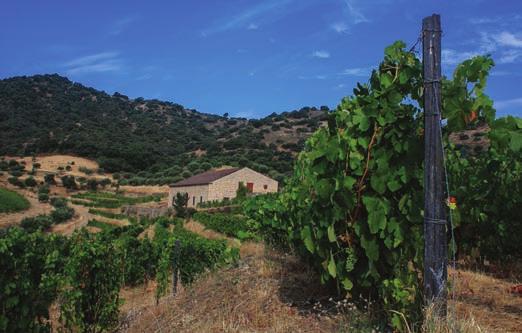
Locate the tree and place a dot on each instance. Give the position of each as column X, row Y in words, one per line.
column 104, row 182
column 69, row 182
column 30, row 182
column 242, row 191
column 180, row 204
column 92, row 184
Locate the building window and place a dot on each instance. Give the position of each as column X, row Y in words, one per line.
column 250, row 187
column 265, row 186
column 201, row 199
column 193, row 201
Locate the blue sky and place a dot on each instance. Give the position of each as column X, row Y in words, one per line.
column 249, row 58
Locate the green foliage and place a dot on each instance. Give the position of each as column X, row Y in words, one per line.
column 237, row 226
column 129, row 135
column 101, row 225
column 16, row 182
column 488, row 189
column 462, row 106
column 110, row 200
column 29, row 279
column 62, row 214
column 49, row 179
column 30, row 182
column 107, row 214
column 241, row 191
column 91, row 301
column 197, row 254
column 11, row 201
column 353, row 205
column 92, row 184
column 69, row 182
column 180, row 204
column 40, row 222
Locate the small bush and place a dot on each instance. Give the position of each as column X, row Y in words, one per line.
column 62, row 214
column 40, row 222
column 30, row 182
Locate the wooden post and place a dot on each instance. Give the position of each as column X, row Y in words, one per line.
column 175, row 267
column 435, row 242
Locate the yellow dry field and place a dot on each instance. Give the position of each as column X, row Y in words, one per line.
column 51, row 163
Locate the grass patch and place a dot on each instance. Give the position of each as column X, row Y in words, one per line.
column 107, row 214
column 12, row 202
column 237, row 226
column 110, row 200
column 101, row 225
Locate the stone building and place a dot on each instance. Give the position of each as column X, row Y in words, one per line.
column 218, row 184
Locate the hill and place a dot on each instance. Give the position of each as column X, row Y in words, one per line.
column 150, row 141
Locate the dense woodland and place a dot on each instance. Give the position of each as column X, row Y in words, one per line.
column 148, row 141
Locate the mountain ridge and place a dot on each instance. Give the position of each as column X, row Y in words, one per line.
column 51, row 114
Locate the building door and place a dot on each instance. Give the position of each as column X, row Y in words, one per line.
column 250, row 187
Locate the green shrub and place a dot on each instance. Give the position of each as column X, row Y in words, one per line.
column 57, row 202
column 16, row 182
column 49, row 179
column 237, row 226
column 101, row 225
column 43, row 197
column 30, row 182
column 107, row 214
column 40, row 222
column 62, row 214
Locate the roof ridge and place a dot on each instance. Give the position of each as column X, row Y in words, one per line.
column 205, row 177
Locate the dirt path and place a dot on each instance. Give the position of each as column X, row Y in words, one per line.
column 35, row 208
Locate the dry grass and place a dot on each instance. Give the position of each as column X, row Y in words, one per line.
column 199, row 229
column 487, row 301
column 261, row 294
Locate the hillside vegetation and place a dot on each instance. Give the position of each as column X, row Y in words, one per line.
column 152, row 140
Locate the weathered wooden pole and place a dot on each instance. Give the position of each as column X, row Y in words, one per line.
column 175, row 267
column 435, row 223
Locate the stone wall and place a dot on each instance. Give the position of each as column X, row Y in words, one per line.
column 149, row 212
column 226, row 187
column 196, row 193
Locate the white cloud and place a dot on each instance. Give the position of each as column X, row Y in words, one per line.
column 508, row 39
column 242, row 19
column 483, row 20
column 510, row 56
column 95, row 63
column 340, row 27
column 252, row 26
column 321, row 54
column 320, row 77
column 355, row 14
column 121, row 25
column 357, row 71
column 453, row 57
column 508, row 103
column 144, row 77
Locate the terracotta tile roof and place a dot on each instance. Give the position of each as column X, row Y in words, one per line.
column 204, row 178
